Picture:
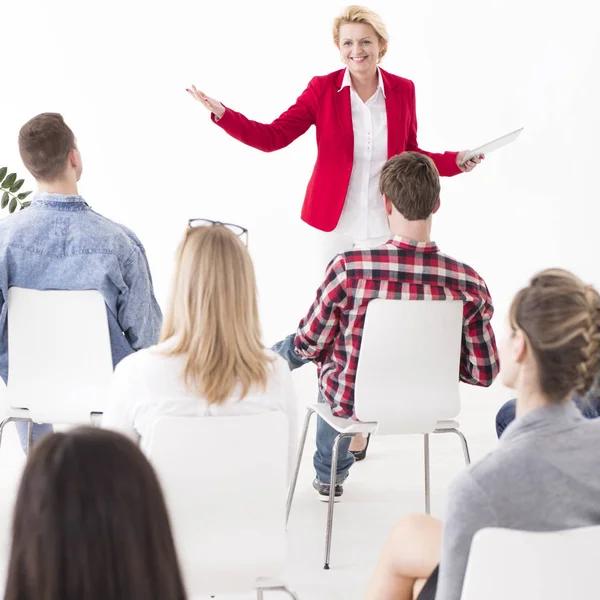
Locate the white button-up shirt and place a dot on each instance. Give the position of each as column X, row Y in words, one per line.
column 363, row 216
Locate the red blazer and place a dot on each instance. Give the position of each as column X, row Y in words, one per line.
column 323, row 105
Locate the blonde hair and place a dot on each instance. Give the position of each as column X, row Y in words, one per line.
column 360, row 14
column 212, row 317
column 560, row 316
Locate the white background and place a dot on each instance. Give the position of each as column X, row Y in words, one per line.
column 117, row 71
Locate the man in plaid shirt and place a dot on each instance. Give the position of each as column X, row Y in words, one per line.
column 408, row 267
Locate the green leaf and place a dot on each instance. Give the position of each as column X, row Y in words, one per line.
column 9, row 181
column 17, row 185
column 12, row 205
column 5, row 199
column 26, row 204
column 3, row 172
column 23, row 195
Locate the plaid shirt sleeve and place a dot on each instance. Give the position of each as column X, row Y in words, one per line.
column 319, row 328
column 479, row 363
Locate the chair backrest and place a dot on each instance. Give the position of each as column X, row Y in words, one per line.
column 408, row 366
column 524, row 565
column 225, row 482
column 59, row 355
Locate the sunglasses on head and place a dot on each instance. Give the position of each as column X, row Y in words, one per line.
column 238, row 230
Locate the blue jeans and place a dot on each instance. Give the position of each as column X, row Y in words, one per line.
column 325, row 433
column 506, row 415
column 39, row 431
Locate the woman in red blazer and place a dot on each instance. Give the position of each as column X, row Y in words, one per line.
column 333, row 108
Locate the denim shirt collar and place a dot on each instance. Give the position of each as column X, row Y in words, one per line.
column 47, row 199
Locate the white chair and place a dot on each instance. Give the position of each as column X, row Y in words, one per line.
column 406, row 382
column 225, row 483
column 524, row 565
column 59, row 356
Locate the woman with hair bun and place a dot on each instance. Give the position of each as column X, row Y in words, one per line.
column 543, row 475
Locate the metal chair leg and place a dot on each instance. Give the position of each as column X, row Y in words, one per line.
column 427, row 474
column 292, row 490
column 29, row 436
column 3, row 425
column 334, row 462
column 463, row 441
column 280, row 588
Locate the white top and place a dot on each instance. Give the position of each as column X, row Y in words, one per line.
column 363, row 215
column 149, row 384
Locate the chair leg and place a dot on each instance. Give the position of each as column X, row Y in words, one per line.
column 3, row 425
column 96, row 419
column 334, row 462
column 281, row 588
column 294, row 481
column 427, row 474
column 463, row 441
column 29, row 436
column 260, row 594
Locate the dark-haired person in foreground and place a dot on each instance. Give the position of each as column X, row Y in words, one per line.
column 543, row 475
column 60, row 243
column 408, row 267
column 90, row 523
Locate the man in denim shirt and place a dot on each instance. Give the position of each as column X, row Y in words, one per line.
column 59, row 243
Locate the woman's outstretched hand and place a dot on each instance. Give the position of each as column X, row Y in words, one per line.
column 211, row 104
column 470, row 164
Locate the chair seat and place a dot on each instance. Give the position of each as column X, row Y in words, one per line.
column 17, row 413
column 446, row 424
column 340, row 424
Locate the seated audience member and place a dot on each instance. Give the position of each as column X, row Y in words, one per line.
column 409, row 266
column 543, row 475
column 60, row 243
column 589, row 406
column 90, row 523
column 211, row 360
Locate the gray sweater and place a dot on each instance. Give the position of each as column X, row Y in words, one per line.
column 544, row 475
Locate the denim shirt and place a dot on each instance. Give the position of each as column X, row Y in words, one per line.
column 60, row 243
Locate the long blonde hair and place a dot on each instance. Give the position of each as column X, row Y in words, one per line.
column 212, row 317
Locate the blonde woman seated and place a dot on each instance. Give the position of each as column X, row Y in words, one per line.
column 543, row 475
column 210, row 360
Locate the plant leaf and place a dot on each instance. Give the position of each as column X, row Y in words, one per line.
column 17, row 185
column 12, row 205
column 26, row 204
column 3, row 172
column 5, row 199
column 9, row 181
column 23, row 195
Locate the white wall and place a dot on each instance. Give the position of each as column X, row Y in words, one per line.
column 118, row 72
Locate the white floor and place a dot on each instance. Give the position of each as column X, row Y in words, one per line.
column 388, row 484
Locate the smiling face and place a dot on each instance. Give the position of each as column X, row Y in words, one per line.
column 359, row 47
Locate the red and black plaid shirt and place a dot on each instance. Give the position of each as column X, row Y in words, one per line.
column 400, row 269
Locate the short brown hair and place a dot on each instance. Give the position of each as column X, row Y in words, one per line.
column 360, row 14
column 412, row 183
column 91, row 522
column 44, row 143
column 560, row 316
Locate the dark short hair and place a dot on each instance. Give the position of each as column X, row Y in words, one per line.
column 91, row 523
column 44, row 143
column 412, row 183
